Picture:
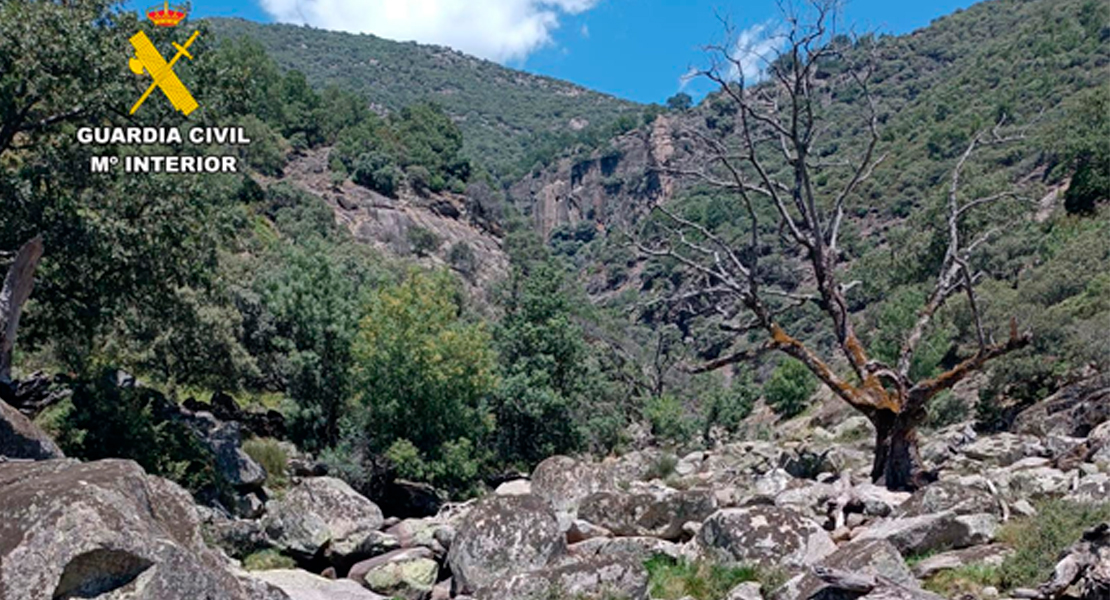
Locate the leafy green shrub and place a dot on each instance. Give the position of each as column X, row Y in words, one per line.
column 407, row 460
column 662, row 467
column 271, row 455
column 670, row 579
column 422, row 241
column 461, row 256
column 1038, row 540
column 789, row 388
column 423, row 374
column 668, row 418
column 376, row 171
column 728, row 406
column 109, row 420
column 419, row 178
column 268, row 560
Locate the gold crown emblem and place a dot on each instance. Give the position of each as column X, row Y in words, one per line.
column 167, row 16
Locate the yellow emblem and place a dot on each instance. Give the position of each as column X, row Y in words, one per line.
column 148, row 59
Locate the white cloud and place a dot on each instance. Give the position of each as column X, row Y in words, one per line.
column 754, row 48
column 685, row 79
column 499, row 30
column 585, row 31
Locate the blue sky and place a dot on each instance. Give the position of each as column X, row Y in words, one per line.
column 635, row 49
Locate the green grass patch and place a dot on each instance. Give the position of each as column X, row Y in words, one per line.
column 671, row 579
column 269, row 453
column 1038, row 541
column 267, row 560
column 962, row 581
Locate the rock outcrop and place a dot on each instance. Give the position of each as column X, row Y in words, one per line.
column 106, row 529
column 503, row 536
column 20, row 438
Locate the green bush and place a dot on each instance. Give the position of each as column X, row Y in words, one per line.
column 271, row 455
column 668, row 419
column 268, row 560
column 670, row 579
column 727, row 406
column 789, row 388
column 423, row 374
column 107, row 420
column 1038, row 540
column 422, row 241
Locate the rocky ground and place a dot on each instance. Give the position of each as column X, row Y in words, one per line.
column 801, row 512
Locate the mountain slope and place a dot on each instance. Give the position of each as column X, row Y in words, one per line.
column 498, row 109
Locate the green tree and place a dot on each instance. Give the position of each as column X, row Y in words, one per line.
column 543, row 358
column 790, row 387
column 423, row 372
column 680, row 101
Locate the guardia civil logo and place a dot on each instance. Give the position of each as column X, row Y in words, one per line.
column 149, row 61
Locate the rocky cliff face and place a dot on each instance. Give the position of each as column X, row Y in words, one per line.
column 387, row 224
column 610, row 187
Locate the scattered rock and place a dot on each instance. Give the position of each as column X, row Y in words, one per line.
column 876, row 558
column 410, row 573
column 955, row 496
column 764, row 535
column 932, row 532
column 302, row 585
column 647, row 515
column 322, row 513
column 991, row 554
column 107, row 529
column 1072, row 411
column 20, row 438
column 597, row 579
column 749, row 590
column 516, row 487
column 502, row 536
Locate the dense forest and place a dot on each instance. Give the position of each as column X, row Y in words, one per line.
column 390, row 366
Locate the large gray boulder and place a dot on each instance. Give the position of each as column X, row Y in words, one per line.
column 595, row 579
column 563, row 483
column 20, row 438
column 503, row 536
column 763, row 535
column 323, row 513
column 933, row 532
column 1073, row 411
column 106, row 529
column 960, row 497
column 661, row 516
column 409, row 573
column 302, row 585
column 878, row 558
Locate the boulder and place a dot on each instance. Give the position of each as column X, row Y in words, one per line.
column 322, row 513
column 1004, row 449
column 106, row 529
column 877, row 558
column 637, row 549
column 960, row 498
column 1092, row 488
column 991, row 554
column 302, row 585
column 596, row 579
column 1072, row 411
column 563, row 482
column 516, row 487
column 410, row 573
column 661, row 516
column 749, row 590
column 763, row 535
column 20, row 438
column 237, row 468
column 933, row 532
column 502, row 536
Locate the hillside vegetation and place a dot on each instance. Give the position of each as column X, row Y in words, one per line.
column 501, row 111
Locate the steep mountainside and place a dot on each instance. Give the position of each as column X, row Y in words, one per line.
column 1030, row 60
column 498, row 109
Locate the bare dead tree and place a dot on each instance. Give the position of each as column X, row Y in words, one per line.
column 770, row 160
column 17, row 288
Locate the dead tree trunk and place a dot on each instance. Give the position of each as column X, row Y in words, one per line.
column 769, row 154
column 17, row 288
column 898, row 464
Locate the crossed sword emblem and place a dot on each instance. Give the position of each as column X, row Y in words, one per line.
column 148, row 59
